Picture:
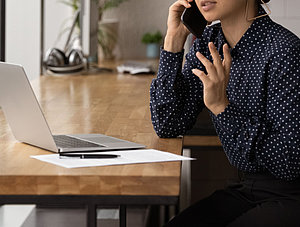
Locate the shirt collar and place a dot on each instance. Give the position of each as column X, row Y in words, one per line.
column 251, row 40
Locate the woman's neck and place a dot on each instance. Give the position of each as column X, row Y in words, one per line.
column 235, row 26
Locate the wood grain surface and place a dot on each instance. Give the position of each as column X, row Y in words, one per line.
column 112, row 104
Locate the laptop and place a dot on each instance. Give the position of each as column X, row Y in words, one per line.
column 28, row 124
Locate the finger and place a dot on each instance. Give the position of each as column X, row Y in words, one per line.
column 210, row 68
column 179, row 6
column 185, row 3
column 216, row 57
column 227, row 59
column 202, row 76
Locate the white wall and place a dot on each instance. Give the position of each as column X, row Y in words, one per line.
column 23, row 35
column 286, row 13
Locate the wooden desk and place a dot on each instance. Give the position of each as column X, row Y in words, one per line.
column 111, row 104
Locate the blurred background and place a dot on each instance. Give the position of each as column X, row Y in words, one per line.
column 34, row 26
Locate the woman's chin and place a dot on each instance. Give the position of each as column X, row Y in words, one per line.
column 210, row 18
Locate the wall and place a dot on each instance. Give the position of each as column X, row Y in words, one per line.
column 23, row 35
column 286, row 13
column 139, row 16
column 135, row 18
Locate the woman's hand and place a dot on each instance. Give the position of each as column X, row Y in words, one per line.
column 177, row 32
column 216, row 80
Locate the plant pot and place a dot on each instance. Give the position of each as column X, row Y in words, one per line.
column 152, row 50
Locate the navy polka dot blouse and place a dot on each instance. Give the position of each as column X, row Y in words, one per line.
column 259, row 129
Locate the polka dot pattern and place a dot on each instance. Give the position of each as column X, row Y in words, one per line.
column 259, row 129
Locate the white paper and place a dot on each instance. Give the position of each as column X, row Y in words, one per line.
column 126, row 157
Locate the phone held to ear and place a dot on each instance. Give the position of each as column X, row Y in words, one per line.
column 193, row 19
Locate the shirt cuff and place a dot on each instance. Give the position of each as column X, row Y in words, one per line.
column 230, row 119
column 169, row 63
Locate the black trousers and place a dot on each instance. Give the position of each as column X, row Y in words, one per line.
column 258, row 200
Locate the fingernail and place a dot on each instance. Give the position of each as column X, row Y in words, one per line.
column 212, row 44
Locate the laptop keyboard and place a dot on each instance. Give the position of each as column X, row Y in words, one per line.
column 64, row 141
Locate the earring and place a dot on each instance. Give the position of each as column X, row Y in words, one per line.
column 267, row 14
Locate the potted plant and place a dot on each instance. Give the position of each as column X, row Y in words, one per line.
column 152, row 40
column 107, row 31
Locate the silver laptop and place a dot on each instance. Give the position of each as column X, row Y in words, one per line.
column 29, row 125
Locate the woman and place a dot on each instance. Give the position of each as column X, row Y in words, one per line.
column 245, row 70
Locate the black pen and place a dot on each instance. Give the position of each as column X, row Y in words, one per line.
column 87, row 156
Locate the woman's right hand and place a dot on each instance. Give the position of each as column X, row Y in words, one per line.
column 177, row 32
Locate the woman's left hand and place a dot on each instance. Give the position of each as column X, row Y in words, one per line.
column 216, row 80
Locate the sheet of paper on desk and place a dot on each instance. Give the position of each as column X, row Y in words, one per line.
column 126, row 157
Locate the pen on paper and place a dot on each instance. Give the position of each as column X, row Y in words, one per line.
column 88, row 156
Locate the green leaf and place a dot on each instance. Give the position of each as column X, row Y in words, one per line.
column 152, row 37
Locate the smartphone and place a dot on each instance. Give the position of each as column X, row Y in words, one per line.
column 193, row 19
